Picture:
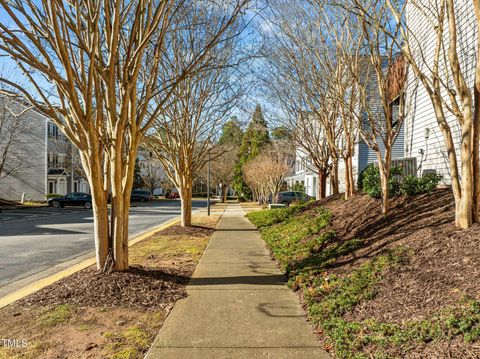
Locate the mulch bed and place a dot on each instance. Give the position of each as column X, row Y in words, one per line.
column 139, row 287
column 193, row 231
column 443, row 265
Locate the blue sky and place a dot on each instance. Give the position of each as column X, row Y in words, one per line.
column 250, row 38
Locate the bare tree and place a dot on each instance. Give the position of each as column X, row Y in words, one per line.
column 153, row 175
column 186, row 131
column 223, row 169
column 12, row 127
column 265, row 174
column 94, row 66
column 452, row 85
column 378, row 75
column 308, row 75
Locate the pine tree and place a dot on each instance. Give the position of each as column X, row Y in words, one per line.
column 254, row 139
column 231, row 133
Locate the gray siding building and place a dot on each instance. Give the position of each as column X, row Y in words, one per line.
column 39, row 159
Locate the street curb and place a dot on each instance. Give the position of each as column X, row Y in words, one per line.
column 44, row 282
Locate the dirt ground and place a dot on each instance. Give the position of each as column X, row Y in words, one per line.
column 442, row 268
column 114, row 315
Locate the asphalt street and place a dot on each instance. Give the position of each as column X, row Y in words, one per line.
column 33, row 240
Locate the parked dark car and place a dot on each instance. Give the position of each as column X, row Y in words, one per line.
column 290, row 196
column 72, row 199
column 140, row 196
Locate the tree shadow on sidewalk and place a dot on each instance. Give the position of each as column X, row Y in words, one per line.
column 272, row 279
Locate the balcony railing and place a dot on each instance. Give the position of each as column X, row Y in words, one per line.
column 57, row 164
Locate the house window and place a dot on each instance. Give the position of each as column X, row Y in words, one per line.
column 53, row 160
column 52, row 131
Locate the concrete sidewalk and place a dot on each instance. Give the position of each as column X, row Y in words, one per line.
column 238, row 305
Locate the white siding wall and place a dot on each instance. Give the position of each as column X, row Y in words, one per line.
column 30, row 148
column 421, row 114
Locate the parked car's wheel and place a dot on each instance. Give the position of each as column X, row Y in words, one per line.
column 286, row 203
column 56, row 204
column 88, row 205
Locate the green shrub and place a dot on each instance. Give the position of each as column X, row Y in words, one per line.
column 269, row 217
column 241, row 199
column 298, row 187
column 412, row 185
column 371, row 181
column 53, row 195
column 430, row 182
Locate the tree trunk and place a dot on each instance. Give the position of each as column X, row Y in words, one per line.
column 384, row 169
column 224, row 195
column 334, row 176
column 465, row 210
column 95, row 177
column 186, row 200
column 119, row 228
column 121, row 181
column 322, row 185
column 100, row 227
column 349, row 180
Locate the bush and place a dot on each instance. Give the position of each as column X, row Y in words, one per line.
column 53, row 195
column 430, row 182
column 241, row 199
column 269, row 217
column 412, row 185
column 371, row 181
column 298, row 187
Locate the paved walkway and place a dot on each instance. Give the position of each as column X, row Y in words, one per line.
column 238, row 305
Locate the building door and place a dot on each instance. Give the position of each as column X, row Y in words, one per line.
column 51, row 186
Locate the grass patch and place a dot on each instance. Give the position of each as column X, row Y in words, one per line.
column 302, row 243
column 56, row 315
column 269, row 217
column 130, row 343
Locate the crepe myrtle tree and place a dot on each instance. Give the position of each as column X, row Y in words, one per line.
column 222, row 168
column 265, row 174
column 94, row 68
column 186, row 130
column 289, row 83
column 378, row 75
column 451, row 81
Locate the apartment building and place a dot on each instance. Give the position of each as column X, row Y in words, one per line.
column 40, row 160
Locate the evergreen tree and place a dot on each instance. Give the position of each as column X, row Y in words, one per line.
column 281, row 133
column 137, row 176
column 254, row 139
column 231, row 133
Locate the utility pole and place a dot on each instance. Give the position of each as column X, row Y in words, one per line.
column 208, row 184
